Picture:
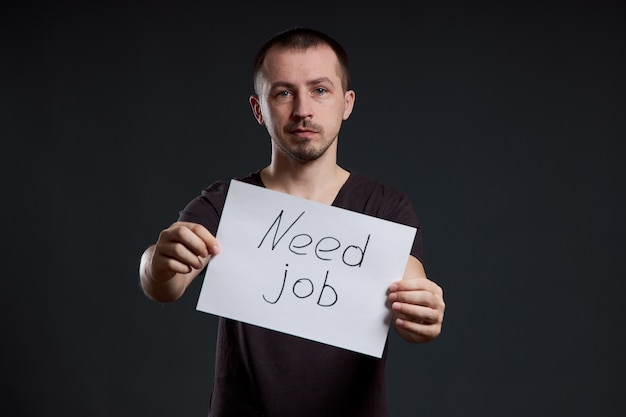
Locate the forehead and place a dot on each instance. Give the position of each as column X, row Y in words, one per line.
column 301, row 65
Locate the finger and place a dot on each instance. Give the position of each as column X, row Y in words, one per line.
column 188, row 250
column 176, row 266
column 416, row 313
column 210, row 242
column 419, row 332
column 417, row 297
column 196, row 238
column 164, row 266
column 175, row 257
column 181, row 253
column 416, row 284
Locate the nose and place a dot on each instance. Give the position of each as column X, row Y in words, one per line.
column 302, row 107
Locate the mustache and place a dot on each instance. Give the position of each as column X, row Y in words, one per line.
column 304, row 124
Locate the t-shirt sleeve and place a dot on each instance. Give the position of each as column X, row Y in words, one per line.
column 207, row 208
column 399, row 209
column 374, row 198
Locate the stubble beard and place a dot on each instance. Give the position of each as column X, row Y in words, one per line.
column 303, row 150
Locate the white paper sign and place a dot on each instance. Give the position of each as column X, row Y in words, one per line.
column 305, row 268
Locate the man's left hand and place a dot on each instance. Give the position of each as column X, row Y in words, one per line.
column 417, row 305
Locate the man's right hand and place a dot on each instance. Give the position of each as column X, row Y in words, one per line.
column 180, row 254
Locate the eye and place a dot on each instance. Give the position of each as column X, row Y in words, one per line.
column 320, row 90
column 284, row 93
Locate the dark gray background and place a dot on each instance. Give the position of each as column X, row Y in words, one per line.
column 503, row 122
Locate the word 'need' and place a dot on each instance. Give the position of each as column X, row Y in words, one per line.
column 326, row 248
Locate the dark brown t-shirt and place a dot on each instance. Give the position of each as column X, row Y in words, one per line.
column 261, row 372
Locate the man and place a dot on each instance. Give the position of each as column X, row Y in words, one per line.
column 302, row 97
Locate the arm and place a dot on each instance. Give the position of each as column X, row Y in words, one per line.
column 417, row 304
column 171, row 264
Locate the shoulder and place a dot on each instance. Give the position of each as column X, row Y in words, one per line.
column 376, row 198
column 362, row 182
column 207, row 207
column 218, row 189
column 371, row 196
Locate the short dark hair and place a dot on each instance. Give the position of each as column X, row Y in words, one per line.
column 302, row 39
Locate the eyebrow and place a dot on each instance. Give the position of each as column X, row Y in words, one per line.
column 316, row 81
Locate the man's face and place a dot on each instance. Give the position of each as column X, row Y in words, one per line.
column 301, row 101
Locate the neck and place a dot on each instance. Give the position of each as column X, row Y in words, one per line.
column 318, row 180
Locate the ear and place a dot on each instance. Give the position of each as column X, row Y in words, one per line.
column 349, row 98
column 256, row 109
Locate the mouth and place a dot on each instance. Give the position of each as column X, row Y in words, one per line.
column 303, row 133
